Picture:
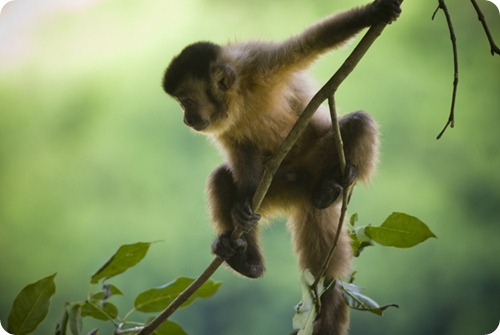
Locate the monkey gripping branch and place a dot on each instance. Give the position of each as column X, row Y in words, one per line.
column 211, row 72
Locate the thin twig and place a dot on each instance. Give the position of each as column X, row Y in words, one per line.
column 339, row 146
column 493, row 47
column 337, row 138
column 371, row 35
column 451, row 118
column 273, row 164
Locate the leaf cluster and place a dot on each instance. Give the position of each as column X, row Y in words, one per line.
column 32, row 304
column 399, row 230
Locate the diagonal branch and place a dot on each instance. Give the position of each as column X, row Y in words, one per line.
column 273, row 164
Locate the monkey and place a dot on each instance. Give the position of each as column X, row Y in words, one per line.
column 246, row 97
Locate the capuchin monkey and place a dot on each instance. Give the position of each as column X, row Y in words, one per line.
column 246, row 97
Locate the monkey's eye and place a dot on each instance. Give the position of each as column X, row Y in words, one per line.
column 222, row 85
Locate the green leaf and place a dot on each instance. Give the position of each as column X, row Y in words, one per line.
column 31, row 306
column 400, row 230
column 75, row 319
column 169, row 328
column 157, row 299
column 354, row 298
column 106, row 311
column 126, row 257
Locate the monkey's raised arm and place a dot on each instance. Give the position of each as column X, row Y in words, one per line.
column 300, row 50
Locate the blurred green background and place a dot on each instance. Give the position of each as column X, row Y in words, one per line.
column 94, row 155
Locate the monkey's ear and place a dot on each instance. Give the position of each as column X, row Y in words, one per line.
column 223, row 76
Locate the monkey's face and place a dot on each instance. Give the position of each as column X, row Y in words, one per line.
column 204, row 107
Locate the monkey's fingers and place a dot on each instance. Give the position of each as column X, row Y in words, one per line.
column 386, row 11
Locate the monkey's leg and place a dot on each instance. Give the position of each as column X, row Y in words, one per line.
column 313, row 234
column 361, row 143
column 242, row 254
column 360, row 137
column 333, row 318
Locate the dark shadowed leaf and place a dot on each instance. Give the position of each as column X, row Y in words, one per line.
column 400, row 230
column 156, row 299
column 126, row 257
column 354, row 298
column 31, row 306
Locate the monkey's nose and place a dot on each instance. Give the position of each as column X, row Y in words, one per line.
column 191, row 119
column 194, row 121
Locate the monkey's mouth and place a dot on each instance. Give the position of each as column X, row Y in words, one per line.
column 198, row 126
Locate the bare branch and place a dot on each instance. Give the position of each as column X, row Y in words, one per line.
column 494, row 49
column 451, row 118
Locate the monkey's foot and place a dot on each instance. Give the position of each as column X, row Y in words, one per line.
column 241, row 257
column 327, row 192
column 244, row 217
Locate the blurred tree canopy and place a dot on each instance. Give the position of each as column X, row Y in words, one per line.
column 94, row 155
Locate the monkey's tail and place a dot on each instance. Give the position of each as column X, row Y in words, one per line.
column 334, row 316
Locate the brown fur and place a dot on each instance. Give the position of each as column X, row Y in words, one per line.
column 246, row 97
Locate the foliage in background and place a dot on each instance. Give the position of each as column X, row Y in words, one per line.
column 32, row 304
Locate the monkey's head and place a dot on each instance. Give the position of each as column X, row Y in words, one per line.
column 200, row 81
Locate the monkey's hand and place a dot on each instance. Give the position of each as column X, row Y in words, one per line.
column 385, row 11
column 244, row 217
column 326, row 192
